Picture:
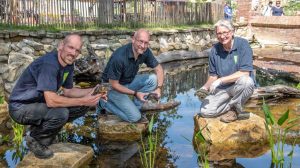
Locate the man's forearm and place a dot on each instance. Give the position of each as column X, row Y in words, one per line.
column 76, row 92
column 160, row 75
column 234, row 77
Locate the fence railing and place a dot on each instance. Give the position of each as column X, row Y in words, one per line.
column 98, row 12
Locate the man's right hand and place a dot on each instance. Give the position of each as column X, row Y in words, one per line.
column 141, row 96
column 92, row 100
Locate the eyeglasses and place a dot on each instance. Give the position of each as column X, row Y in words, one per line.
column 146, row 43
column 223, row 33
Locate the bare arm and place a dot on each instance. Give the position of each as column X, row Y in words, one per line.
column 233, row 77
column 77, row 92
column 226, row 79
column 160, row 79
column 54, row 100
column 209, row 81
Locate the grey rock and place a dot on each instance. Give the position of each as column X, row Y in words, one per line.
column 3, row 58
column 47, row 41
column 48, row 48
column 33, row 44
column 99, row 46
column 115, row 46
column 4, row 48
column 101, row 41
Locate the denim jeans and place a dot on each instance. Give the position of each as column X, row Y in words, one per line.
column 45, row 122
column 122, row 105
column 226, row 99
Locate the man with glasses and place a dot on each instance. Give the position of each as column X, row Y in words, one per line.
column 121, row 72
column 45, row 99
column 231, row 80
column 277, row 10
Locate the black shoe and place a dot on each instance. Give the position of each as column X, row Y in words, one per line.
column 243, row 115
column 40, row 151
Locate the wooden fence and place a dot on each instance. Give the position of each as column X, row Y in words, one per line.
column 99, row 12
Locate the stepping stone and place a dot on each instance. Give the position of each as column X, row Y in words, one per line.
column 152, row 106
column 241, row 138
column 65, row 155
column 112, row 128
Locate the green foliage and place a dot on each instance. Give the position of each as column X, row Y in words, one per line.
column 1, row 99
column 298, row 86
column 18, row 133
column 276, row 129
column 291, row 8
column 149, row 150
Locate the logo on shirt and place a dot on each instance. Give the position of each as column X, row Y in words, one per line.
column 235, row 58
column 65, row 77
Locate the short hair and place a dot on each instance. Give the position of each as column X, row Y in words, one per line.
column 67, row 39
column 225, row 23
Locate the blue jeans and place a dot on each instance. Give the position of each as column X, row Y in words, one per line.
column 122, row 105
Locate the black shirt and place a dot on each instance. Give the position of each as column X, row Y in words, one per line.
column 123, row 67
column 43, row 74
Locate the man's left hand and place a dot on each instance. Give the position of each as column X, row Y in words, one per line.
column 214, row 85
column 157, row 92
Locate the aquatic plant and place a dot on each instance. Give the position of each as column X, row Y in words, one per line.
column 19, row 148
column 202, row 145
column 277, row 135
column 149, row 149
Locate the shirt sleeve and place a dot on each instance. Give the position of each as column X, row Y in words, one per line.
column 212, row 63
column 150, row 60
column 246, row 61
column 47, row 78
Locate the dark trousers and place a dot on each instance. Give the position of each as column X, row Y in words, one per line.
column 45, row 122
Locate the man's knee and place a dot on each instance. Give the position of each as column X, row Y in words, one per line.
column 134, row 118
column 245, row 82
column 59, row 116
column 152, row 80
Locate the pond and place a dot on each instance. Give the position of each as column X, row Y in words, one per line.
column 175, row 128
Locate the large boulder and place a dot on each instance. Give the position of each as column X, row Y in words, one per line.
column 65, row 155
column 242, row 138
column 112, row 128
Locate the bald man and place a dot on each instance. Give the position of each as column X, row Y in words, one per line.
column 121, row 73
column 45, row 99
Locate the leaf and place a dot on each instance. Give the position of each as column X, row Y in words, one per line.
column 151, row 124
column 283, row 118
column 199, row 136
column 268, row 115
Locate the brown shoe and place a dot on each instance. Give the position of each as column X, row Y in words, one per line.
column 228, row 117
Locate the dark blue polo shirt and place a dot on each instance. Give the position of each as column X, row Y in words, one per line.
column 223, row 63
column 43, row 74
column 123, row 67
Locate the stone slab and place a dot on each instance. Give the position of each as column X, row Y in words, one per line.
column 112, row 128
column 235, row 136
column 65, row 155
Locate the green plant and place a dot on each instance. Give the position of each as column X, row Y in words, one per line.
column 298, row 86
column 18, row 133
column 277, row 135
column 1, row 99
column 202, row 145
column 149, row 150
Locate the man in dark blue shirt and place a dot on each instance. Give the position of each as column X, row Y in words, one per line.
column 121, row 72
column 45, row 99
column 231, row 79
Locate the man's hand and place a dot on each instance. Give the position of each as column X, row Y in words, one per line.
column 141, row 96
column 92, row 100
column 157, row 93
column 214, row 85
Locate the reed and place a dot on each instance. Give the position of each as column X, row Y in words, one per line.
column 148, row 151
column 277, row 135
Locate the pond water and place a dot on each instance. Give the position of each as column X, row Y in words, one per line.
column 175, row 128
